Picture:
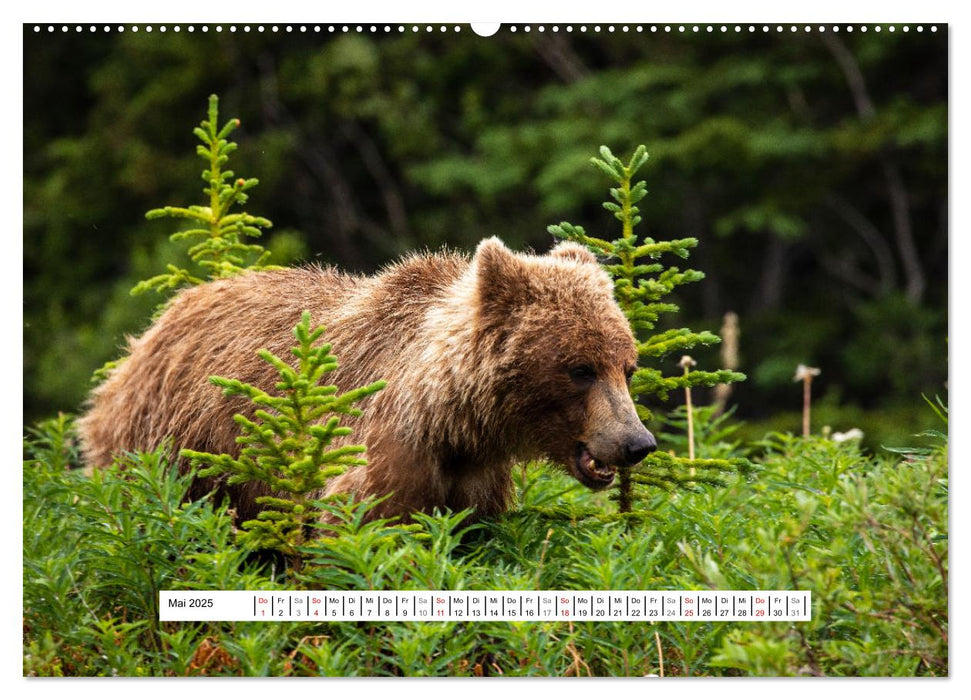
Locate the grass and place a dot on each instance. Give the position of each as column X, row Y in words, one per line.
column 866, row 533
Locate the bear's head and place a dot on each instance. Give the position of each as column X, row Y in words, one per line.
column 559, row 355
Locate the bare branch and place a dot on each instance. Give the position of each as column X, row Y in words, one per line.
column 394, row 202
column 871, row 236
column 897, row 193
column 842, row 268
column 851, row 71
column 557, row 53
column 900, row 206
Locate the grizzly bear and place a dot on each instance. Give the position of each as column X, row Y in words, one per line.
column 489, row 361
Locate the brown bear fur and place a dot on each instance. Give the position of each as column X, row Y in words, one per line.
column 481, row 357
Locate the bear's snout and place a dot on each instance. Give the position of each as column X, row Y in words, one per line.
column 638, row 447
column 614, row 433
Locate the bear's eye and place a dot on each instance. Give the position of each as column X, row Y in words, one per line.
column 583, row 375
column 630, row 374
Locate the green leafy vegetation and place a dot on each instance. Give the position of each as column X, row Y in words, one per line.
column 286, row 446
column 868, row 536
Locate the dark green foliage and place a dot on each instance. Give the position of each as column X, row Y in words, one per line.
column 287, row 446
column 868, row 536
column 640, row 285
column 220, row 248
column 371, row 145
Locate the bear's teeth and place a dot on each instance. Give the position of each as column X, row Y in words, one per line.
column 586, row 460
column 601, row 469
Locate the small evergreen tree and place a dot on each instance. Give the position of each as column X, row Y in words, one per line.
column 220, row 248
column 287, row 444
column 641, row 283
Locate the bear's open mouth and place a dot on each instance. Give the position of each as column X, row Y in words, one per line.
column 590, row 472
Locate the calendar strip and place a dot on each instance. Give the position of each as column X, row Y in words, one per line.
column 478, row 606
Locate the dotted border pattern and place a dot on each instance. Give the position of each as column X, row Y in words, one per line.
column 414, row 28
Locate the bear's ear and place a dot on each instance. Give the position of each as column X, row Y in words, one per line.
column 500, row 277
column 568, row 250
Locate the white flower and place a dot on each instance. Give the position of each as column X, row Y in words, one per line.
column 803, row 373
column 851, row 434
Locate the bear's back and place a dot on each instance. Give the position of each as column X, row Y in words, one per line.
column 162, row 389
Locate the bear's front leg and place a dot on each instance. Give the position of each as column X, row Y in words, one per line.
column 485, row 488
column 410, row 484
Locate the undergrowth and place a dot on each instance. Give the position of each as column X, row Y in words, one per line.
column 866, row 534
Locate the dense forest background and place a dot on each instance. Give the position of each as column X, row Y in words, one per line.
column 811, row 166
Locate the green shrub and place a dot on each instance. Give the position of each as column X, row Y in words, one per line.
column 867, row 535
